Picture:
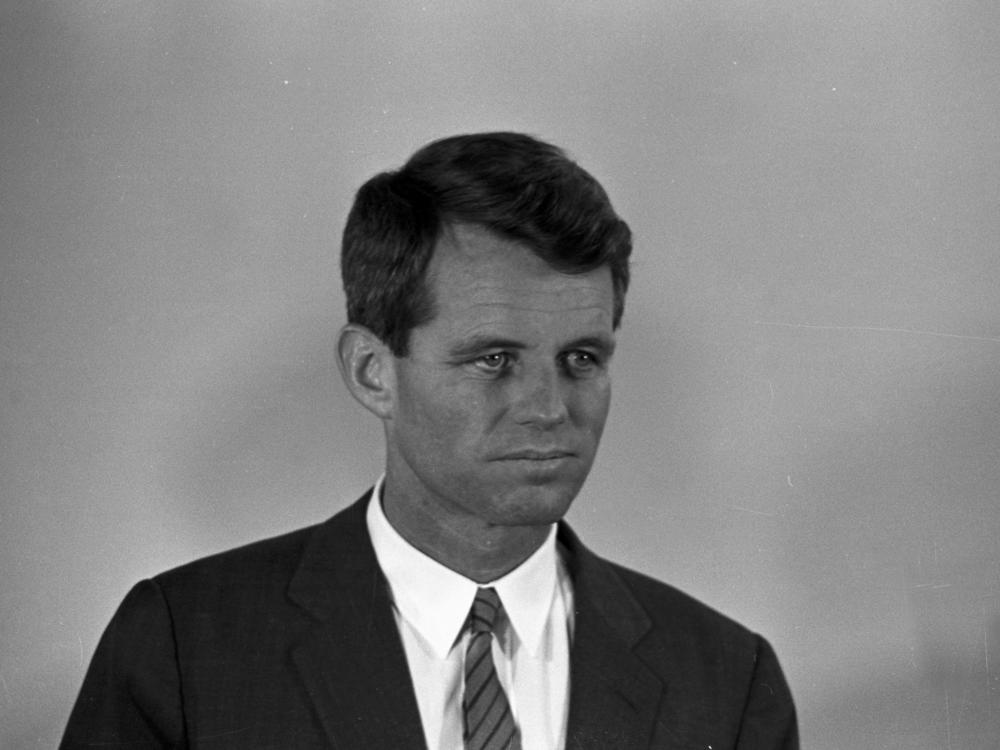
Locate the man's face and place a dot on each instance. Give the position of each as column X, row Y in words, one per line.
column 500, row 403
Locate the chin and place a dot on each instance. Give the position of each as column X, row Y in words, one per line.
column 535, row 506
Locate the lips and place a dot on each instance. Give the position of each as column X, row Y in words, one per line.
column 537, row 454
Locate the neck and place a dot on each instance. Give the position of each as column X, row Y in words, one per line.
column 474, row 548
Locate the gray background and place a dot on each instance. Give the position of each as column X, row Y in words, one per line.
column 805, row 431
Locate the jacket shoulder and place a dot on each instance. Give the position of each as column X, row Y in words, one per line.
column 684, row 615
column 730, row 673
column 265, row 557
column 624, row 595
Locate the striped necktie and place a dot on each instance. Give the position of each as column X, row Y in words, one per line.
column 489, row 724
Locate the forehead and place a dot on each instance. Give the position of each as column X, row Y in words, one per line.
column 477, row 276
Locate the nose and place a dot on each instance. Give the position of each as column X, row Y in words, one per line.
column 541, row 401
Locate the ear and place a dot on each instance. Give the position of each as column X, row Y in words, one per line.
column 366, row 366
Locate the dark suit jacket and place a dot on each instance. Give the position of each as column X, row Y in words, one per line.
column 291, row 643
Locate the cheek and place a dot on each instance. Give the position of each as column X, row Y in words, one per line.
column 593, row 405
column 434, row 420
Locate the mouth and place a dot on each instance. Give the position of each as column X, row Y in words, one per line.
column 535, row 454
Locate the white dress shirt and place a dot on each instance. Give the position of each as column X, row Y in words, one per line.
column 431, row 605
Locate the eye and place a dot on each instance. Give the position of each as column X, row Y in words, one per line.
column 493, row 362
column 581, row 362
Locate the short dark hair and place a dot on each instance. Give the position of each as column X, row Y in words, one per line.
column 517, row 186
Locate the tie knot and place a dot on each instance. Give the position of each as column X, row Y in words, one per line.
column 485, row 608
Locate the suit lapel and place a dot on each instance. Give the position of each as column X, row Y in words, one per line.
column 614, row 697
column 352, row 660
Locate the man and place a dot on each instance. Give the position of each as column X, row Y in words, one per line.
column 450, row 607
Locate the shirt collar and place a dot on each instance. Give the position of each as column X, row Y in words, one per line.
column 435, row 600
